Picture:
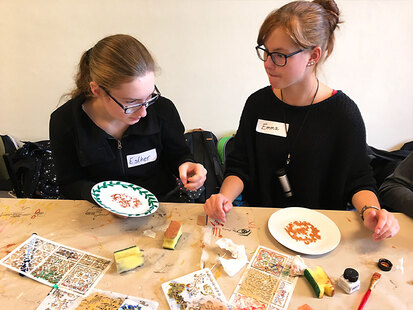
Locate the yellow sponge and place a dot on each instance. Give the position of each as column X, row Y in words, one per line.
column 319, row 281
column 128, row 259
column 172, row 235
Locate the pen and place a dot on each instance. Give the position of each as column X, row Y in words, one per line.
column 376, row 276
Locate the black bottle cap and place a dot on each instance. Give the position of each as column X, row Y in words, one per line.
column 351, row 274
column 384, row 264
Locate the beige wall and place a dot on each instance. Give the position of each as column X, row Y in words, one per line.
column 205, row 49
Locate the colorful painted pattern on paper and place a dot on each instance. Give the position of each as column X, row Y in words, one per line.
column 191, row 288
column 241, row 302
column 282, row 294
column 80, row 279
column 55, row 264
column 59, row 300
column 96, row 300
column 259, row 285
column 53, row 269
column 100, row 302
column 269, row 261
column 266, row 283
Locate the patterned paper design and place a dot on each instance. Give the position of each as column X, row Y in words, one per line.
column 15, row 259
column 96, row 300
column 54, row 264
column 100, row 302
column 241, row 302
column 59, row 300
column 80, row 279
column 191, row 288
column 269, row 261
column 266, row 283
column 53, row 269
column 259, row 285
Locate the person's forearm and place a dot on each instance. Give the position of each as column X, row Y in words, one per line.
column 232, row 187
column 365, row 198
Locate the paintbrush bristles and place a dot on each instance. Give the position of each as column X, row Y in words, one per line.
column 376, row 276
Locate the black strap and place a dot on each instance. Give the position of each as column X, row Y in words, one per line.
column 209, row 144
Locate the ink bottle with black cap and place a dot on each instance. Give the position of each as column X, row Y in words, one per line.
column 349, row 281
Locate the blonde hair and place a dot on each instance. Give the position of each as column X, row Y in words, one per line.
column 308, row 24
column 112, row 61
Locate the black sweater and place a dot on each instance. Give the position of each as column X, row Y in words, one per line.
column 327, row 143
column 84, row 154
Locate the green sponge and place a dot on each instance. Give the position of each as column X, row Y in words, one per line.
column 319, row 281
column 128, row 259
column 172, row 235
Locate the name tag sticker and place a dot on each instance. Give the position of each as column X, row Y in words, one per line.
column 272, row 128
column 141, row 158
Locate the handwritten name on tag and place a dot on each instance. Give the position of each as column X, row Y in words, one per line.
column 141, row 158
column 272, row 128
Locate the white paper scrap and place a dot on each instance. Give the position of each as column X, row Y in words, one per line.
column 232, row 266
column 297, row 266
column 149, row 233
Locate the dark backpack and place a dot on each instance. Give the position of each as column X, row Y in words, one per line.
column 384, row 162
column 7, row 146
column 203, row 146
column 32, row 172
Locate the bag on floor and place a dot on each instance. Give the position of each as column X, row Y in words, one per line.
column 384, row 162
column 8, row 145
column 32, row 172
column 203, row 146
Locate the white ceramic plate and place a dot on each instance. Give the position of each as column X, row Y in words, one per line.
column 124, row 198
column 304, row 230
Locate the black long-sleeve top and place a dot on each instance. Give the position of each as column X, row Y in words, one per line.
column 396, row 191
column 327, row 144
column 148, row 154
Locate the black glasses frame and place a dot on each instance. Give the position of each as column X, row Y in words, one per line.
column 133, row 108
column 260, row 47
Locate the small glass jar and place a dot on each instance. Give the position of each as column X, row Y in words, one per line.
column 349, row 281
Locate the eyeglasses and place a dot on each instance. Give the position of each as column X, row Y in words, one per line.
column 279, row 59
column 133, row 108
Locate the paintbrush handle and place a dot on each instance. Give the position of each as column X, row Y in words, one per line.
column 364, row 300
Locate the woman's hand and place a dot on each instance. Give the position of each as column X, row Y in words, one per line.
column 381, row 222
column 217, row 206
column 192, row 175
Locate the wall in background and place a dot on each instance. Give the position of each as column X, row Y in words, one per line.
column 205, row 51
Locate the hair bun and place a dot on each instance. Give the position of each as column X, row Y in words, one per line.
column 331, row 7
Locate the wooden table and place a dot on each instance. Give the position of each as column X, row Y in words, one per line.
column 86, row 227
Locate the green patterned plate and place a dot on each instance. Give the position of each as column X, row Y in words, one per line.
column 124, row 198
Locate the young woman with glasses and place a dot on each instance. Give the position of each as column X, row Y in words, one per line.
column 117, row 126
column 300, row 142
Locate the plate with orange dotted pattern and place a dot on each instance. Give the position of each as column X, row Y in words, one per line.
column 304, row 230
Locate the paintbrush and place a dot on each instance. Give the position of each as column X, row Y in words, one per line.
column 376, row 276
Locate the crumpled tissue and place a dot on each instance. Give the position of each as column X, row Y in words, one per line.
column 297, row 266
column 232, row 266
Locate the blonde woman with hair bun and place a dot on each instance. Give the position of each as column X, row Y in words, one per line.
column 301, row 142
column 118, row 126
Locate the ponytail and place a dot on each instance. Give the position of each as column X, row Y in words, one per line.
column 333, row 17
column 82, row 78
column 112, row 61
